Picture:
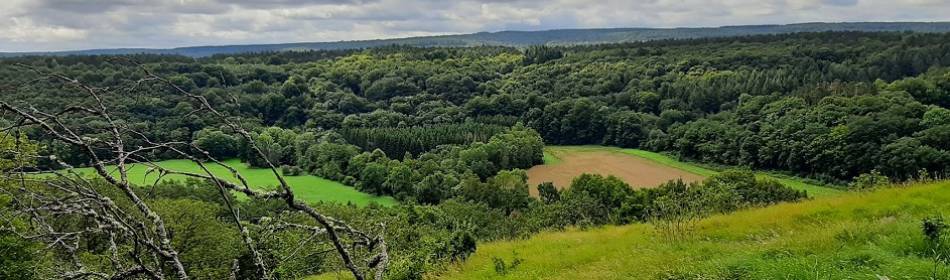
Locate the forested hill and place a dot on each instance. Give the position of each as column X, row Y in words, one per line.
column 527, row 38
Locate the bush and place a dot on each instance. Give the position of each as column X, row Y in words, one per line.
column 548, row 193
column 934, row 229
column 622, row 203
column 462, row 245
column 289, row 170
column 869, row 181
column 675, row 207
column 502, row 268
column 751, row 190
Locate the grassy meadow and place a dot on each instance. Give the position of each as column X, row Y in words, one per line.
column 874, row 235
column 551, row 154
column 306, row 187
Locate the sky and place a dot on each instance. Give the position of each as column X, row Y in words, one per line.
column 50, row 25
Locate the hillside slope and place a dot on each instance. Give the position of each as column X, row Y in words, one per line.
column 853, row 236
column 527, row 38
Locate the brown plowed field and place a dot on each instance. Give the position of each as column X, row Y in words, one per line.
column 638, row 172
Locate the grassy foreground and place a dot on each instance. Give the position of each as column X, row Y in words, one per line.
column 551, row 154
column 873, row 235
column 306, row 187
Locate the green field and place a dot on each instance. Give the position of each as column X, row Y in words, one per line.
column 850, row 236
column 814, row 190
column 307, row 187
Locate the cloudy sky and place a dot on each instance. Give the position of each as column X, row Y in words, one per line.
column 43, row 25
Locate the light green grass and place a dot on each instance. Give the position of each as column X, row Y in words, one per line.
column 550, row 158
column 850, row 236
column 307, row 188
column 814, row 190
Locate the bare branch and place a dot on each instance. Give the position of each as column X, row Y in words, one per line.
column 152, row 251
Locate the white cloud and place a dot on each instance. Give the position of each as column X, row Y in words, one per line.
column 29, row 25
column 24, row 30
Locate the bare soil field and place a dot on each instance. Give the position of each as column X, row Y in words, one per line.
column 636, row 171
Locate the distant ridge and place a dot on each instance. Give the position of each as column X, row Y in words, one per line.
column 527, row 38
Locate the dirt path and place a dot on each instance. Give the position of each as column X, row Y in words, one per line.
column 638, row 172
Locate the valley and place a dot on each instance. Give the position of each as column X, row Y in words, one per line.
column 750, row 154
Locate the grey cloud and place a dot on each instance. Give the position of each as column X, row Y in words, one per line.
column 28, row 25
column 842, row 2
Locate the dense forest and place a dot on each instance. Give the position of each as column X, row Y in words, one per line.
column 825, row 105
column 448, row 132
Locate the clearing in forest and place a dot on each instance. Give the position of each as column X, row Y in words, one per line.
column 308, row 188
column 638, row 168
column 562, row 164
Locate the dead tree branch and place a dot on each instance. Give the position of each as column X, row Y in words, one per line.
column 141, row 227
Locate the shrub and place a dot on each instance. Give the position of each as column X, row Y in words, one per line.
column 611, row 192
column 462, row 245
column 934, row 229
column 869, row 181
column 502, row 268
column 289, row 170
column 548, row 193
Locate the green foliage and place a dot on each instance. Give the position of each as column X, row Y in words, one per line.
column 202, row 240
column 372, row 178
column 936, row 116
column 934, row 228
column 462, row 245
column 548, row 193
column 507, row 191
column 276, row 143
column 416, row 140
column 18, row 260
column 218, row 144
column 579, row 121
column 17, row 151
column 390, row 87
column 751, row 190
column 627, row 129
column 611, row 196
column 937, row 247
column 597, row 200
column 502, row 267
column 869, row 180
column 541, row 54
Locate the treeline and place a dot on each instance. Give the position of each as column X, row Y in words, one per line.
column 415, row 140
column 428, row 177
column 831, row 136
column 598, row 200
column 435, row 175
column 840, row 137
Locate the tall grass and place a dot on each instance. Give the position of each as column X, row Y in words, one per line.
column 850, row 236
